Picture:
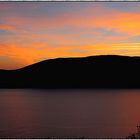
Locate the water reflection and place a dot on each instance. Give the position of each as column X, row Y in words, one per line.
column 68, row 113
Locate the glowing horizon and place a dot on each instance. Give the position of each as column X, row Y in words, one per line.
column 33, row 31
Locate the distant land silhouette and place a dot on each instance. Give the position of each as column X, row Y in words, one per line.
column 105, row 71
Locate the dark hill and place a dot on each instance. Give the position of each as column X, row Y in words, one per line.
column 88, row 72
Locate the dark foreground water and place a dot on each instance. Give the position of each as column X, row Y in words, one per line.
column 68, row 113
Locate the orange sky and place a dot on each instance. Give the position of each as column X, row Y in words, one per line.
column 34, row 31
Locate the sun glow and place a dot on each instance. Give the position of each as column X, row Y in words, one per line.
column 52, row 30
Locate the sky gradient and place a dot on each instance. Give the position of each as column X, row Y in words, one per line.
column 34, row 31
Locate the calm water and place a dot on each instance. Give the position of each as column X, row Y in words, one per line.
column 68, row 113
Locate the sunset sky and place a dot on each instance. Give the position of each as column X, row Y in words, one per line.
column 34, row 31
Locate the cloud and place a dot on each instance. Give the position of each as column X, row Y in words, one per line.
column 35, row 52
column 89, row 16
column 7, row 27
column 88, row 30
